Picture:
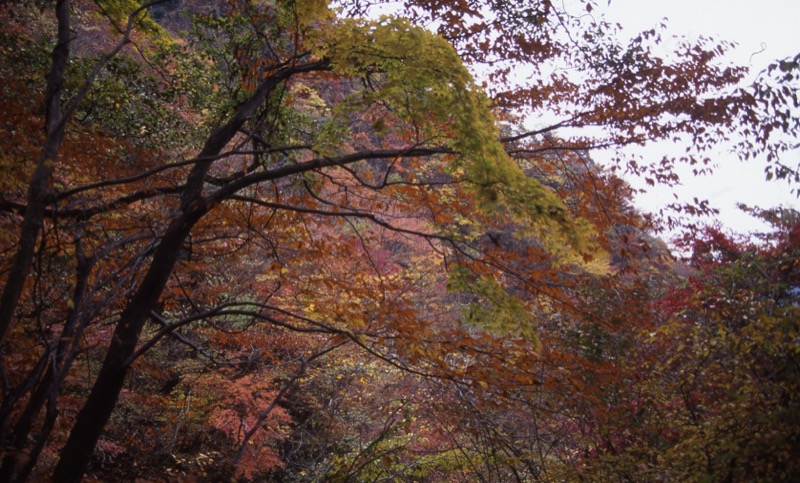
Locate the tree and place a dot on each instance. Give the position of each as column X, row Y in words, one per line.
column 283, row 139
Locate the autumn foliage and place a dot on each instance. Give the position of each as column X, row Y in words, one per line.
column 292, row 241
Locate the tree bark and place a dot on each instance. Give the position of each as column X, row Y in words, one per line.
column 59, row 359
column 77, row 453
column 39, row 186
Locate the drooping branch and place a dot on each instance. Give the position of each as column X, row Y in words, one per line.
column 170, row 328
column 235, row 186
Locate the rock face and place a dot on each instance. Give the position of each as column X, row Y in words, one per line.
column 174, row 16
column 160, row 10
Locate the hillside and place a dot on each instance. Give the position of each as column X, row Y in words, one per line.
column 289, row 241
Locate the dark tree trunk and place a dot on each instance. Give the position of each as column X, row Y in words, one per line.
column 59, row 359
column 39, row 186
column 77, row 453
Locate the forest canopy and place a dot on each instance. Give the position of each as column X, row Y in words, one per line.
column 290, row 240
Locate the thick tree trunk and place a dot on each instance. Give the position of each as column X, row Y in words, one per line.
column 77, row 453
column 59, row 360
column 39, row 186
column 55, row 125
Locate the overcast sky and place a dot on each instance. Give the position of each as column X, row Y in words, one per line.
column 764, row 31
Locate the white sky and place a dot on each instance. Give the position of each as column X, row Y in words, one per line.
column 765, row 32
column 769, row 25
